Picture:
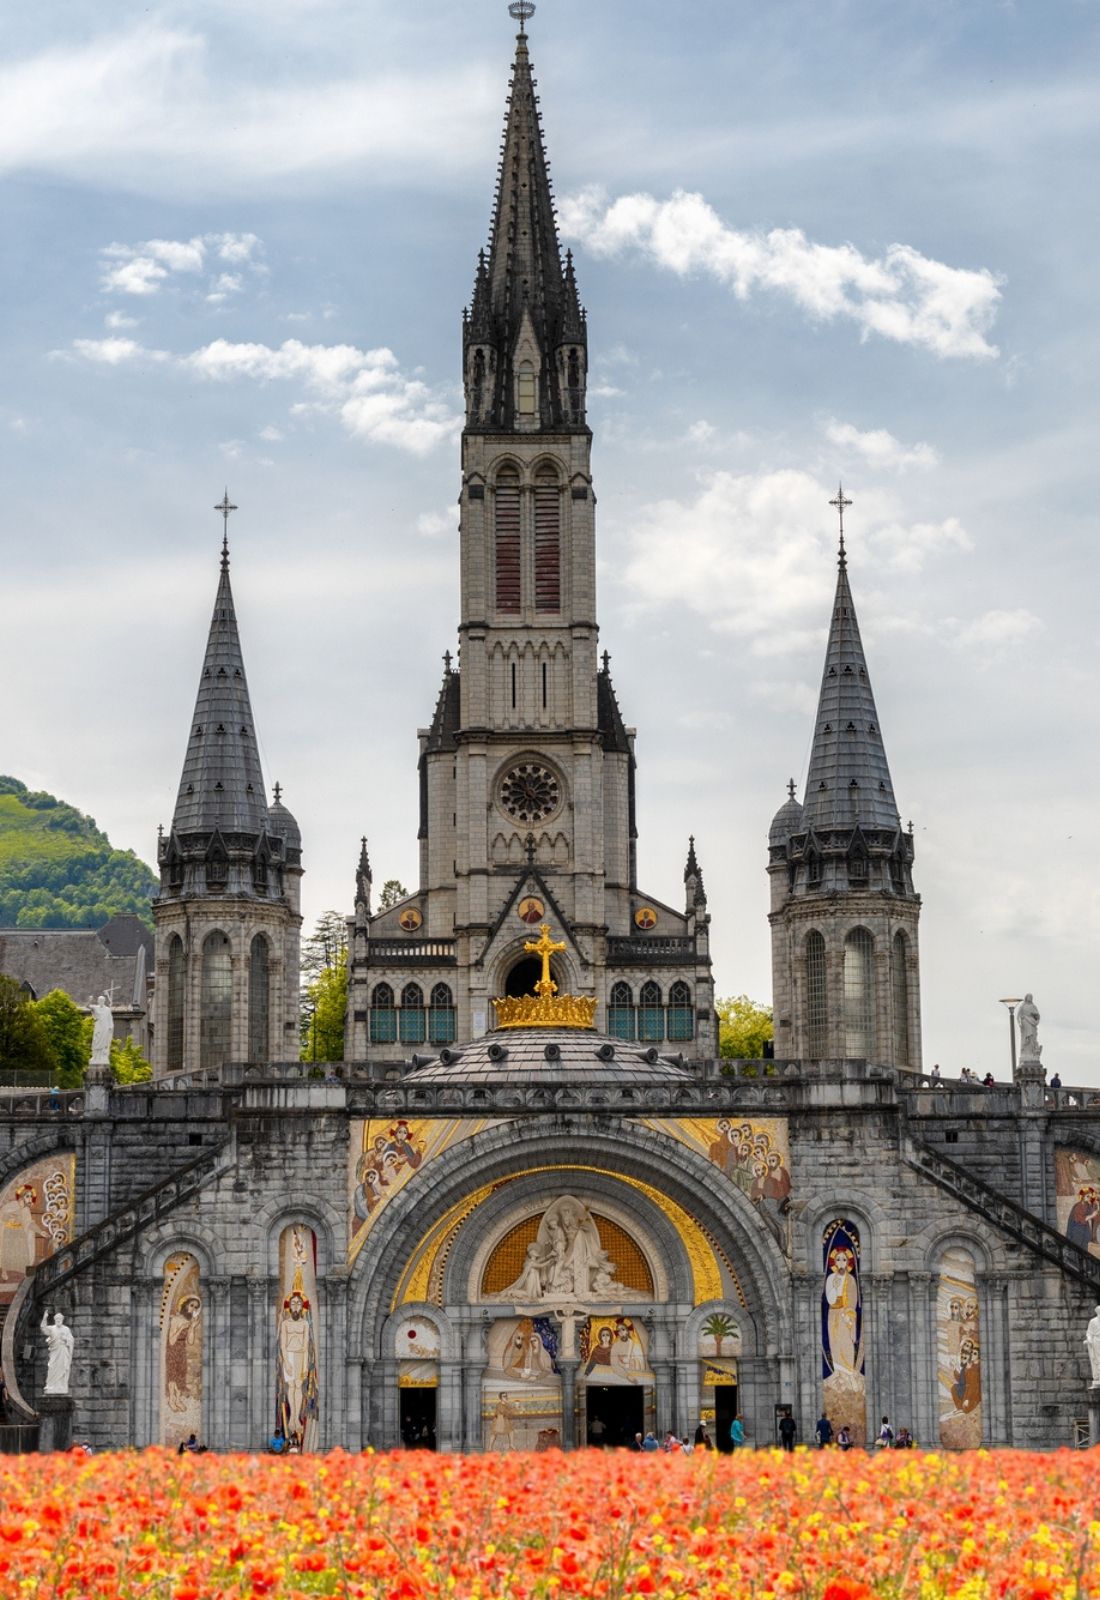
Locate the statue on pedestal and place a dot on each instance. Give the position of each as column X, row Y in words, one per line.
column 59, row 1338
column 103, row 1031
column 1092, row 1344
column 1027, row 1016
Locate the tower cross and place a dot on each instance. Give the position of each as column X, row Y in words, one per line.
column 841, row 505
column 522, row 11
column 225, row 508
column 544, row 947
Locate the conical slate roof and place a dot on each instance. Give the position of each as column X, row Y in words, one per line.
column 848, row 782
column 222, row 785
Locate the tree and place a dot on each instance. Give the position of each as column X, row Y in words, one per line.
column 326, row 946
column 744, row 1027
column 127, row 1062
column 24, row 1046
column 326, row 1003
column 68, row 1030
column 719, row 1327
column 393, row 890
column 324, row 952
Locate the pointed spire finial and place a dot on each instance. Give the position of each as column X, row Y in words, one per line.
column 841, row 505
column 790, row 790
column 522, row 11
column 446, row 661
column 278, row 791
column 606, row 659
column 225, row 508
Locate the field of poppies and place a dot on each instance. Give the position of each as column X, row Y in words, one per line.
column 1008, row 1526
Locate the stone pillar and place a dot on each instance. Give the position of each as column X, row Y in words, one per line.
column 261, row 1389
column 663, row 1373
column 145, row 1384
column 450, row 1406
column 55, row 1423
column 472, row 1374
column 568, row 1401
column 333, row 1295
column 215, row 1388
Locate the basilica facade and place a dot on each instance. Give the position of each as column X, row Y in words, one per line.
column 532, row 1208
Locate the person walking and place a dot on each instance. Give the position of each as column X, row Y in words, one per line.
column 885, row 1434
column 823, row 1431
column 787, row 1431
column 737, row 1432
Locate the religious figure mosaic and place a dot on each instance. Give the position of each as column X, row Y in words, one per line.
column 297, row 1380
column 755, row 1155
column 36, row 1218
column 959, row 1350
column 384, row 1155
column 614, row 1350
column 181, row 1351
column 521, row 1387
column 843, row 1355
column 1077, row 1198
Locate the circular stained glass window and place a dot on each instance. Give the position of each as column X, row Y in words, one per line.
column 529, row 792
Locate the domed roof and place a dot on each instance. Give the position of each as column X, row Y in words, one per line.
column 787, row 820
column 548, row 1055
column 283, row 822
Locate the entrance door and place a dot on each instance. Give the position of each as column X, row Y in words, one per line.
column 614, row 1414
column 725, row 1409
column 418, row 1418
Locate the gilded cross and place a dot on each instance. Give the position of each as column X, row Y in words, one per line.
column 544, row 947
column 841, row 505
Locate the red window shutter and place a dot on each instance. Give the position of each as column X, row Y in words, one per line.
column 507, row 550
column 547, row 549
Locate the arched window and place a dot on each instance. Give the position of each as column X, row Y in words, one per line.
column 817, row 1010
column 547, row 541
column 899, row 983
column 259, row 999
column 383, row 1015
column 507, row 551
column 411, row 1018
column 527, row 398
column 215, row 1021
column 441, row 1016
column 620, row 1011
column 174, row 1019
column 859, row 994
column 681, row 1021
column 651, row 1016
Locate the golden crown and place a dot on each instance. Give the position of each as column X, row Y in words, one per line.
column 546, row 1008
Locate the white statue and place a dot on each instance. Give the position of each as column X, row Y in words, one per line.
column 102, row 1033
column 566, row 1262
column 59, row 1338
column 1092, row 1344
column 1027, row 1015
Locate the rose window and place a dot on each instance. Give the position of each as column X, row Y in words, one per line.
column 529, row 792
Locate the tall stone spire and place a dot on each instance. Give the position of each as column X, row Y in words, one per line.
column 848, row 783
column 222, row 785
column 525, row 314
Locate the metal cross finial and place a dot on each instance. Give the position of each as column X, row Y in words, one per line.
column 606, row 659
column 446, row 661
column 225, row 508
column 841, row 505
column 522, row 11
column 278, row 791
column 790, row 789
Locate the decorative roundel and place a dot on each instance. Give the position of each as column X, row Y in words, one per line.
column 645, row 917
column 531, row 910
column 410, row 919
column 529, row 792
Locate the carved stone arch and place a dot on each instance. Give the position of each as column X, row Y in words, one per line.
column 450, row 1337
column 194, row 1237
column 562, row 966
column 327, row 1223
column 659, row 1243
column 869, row 1217
column 496, row 1153
column 687, row 1340
column 936, row 1239
column 24, row 1155
column 545, row 465
column 506, row 466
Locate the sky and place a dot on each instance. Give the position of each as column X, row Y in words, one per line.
column 841, row 239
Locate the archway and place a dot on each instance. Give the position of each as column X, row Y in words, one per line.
column 524, row 975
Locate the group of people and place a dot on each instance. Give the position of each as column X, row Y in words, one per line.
column 826, row 1436
column 968, row 1077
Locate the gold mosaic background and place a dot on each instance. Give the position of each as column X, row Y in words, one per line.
column 507, row 1260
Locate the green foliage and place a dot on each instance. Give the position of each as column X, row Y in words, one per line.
column 24, row 1046
column 326, row 946
column 326, row 1006
column 68, row 1032
column 393, row 890
column 720, row 1327
column 744, row 1027
column 127, row 1062
column 57, row 870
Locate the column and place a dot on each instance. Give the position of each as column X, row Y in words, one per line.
column 215, row 1386
column 144, row 1368
column 261, row 1388
column 333, row 1295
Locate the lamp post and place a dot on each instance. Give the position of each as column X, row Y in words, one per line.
column 1012, row 1004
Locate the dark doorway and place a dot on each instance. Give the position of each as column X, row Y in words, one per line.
column 418, row 1419
column 524, row 976
column 614, row 1415
column 725, row 1409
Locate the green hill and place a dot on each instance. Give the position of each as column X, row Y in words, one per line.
column 58, row 871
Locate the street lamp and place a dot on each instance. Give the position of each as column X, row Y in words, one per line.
column 1012, row 1004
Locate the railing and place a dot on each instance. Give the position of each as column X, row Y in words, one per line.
column 18, row 1438
column 1021, row 1225
column 412, row 953
column 658, row 949
column 41, row 1102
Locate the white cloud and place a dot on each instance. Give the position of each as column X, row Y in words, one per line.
column 878, row 448
column 998, row 629
column 908, row 548
column 112, row 352
column 433, row 524
column 235, row 246
column 225, row 284
column 139, row 275
column 701, row 432
column 118, row 319
column 901, row 295
column 604, row 391
column 232, row 449
column 143, row 269
column 271, row 433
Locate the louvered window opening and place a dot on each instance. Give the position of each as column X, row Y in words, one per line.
column 259, row 999
column 899, row 978
column 217, row 1001
column 508, row 578
column 817, row 1013
column 547, row 548
column 859, row 994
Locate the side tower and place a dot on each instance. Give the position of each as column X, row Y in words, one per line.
column 844, row 914
column 227, row 918
column 527, row 772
